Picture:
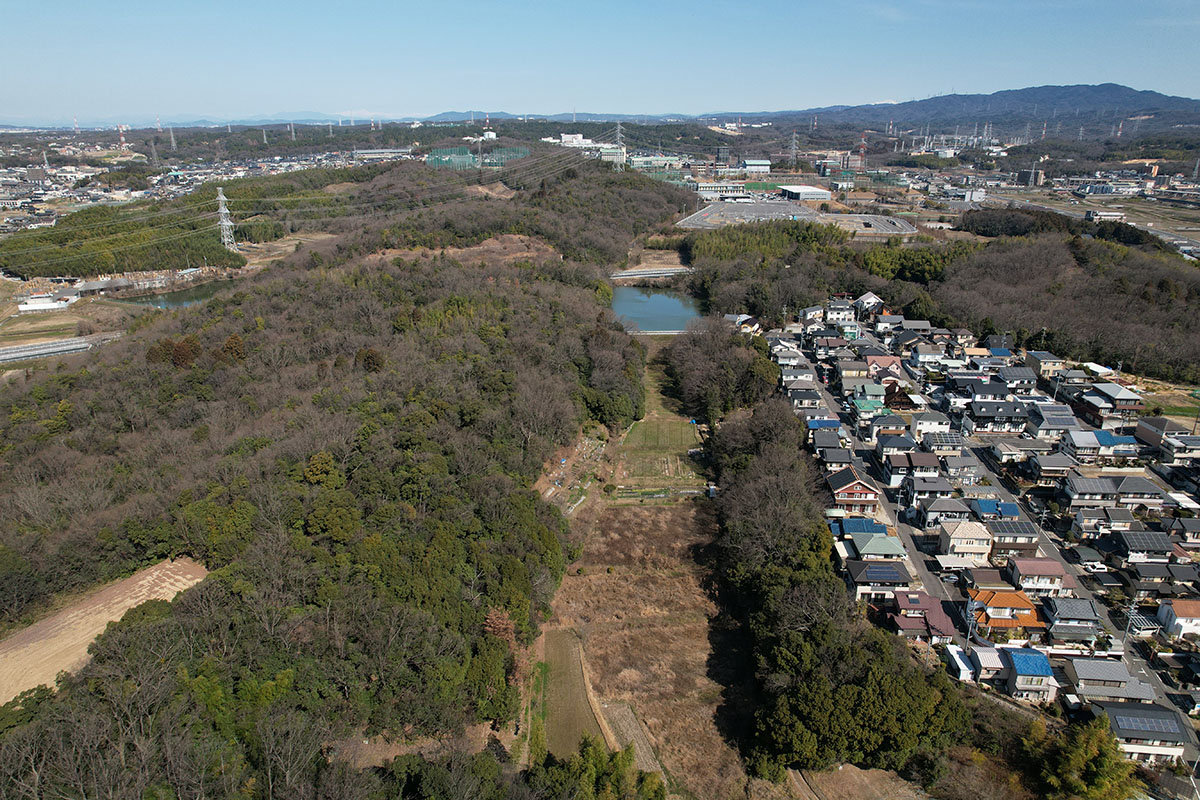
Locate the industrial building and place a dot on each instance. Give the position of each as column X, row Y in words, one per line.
column 801, row 192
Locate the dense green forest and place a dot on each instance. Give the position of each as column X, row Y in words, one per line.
column 584, row 211
column 350, row 446
column 1102, row 292
column 834, row 687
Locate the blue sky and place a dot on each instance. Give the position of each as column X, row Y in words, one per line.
column 109, row 61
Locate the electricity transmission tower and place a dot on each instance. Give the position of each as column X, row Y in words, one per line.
column 795, row 160
column 620, row 165
column 224, row 222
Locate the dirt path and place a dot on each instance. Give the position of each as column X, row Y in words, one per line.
column 35, row 655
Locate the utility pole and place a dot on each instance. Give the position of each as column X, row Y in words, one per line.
column 224, row 222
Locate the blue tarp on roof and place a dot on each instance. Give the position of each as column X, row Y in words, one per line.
column 1001, row 352
column 823, row 423
column 1029, row 662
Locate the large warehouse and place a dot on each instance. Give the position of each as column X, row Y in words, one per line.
column 805, row 193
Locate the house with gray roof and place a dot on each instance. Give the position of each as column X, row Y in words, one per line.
column 1072, row 619
column 1103, row 680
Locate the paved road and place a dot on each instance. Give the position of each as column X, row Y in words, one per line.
column 861, row 453
column 1050, row 546
column 57, row 347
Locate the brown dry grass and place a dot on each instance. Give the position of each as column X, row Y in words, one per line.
column 659, row 258
column 35, row 655
column 504, row 249
column 646, row 631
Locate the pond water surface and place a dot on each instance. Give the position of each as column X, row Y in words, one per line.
column 644, row 309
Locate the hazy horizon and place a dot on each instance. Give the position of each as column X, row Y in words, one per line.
column 222, row 61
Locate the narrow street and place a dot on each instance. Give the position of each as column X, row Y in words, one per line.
column 952, row 595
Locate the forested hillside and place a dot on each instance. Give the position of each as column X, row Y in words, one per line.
column 583, row 210
column 350, row 446
column 1105, row 292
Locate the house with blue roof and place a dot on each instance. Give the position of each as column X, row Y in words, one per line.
column 1029, row 675
column 988, row 510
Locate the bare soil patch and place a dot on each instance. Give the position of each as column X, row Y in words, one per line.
column 851, row 783
column 258, row 254
column 35, row 655
column 340, row 188
column 492, row 190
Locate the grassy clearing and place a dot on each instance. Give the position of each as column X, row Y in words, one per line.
column 670, row 435
column 568, row 717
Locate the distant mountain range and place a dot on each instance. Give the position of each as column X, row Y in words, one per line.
column 1065, row 107
column 1095, row 107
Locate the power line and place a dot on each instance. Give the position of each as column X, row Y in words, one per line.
column 541, row 172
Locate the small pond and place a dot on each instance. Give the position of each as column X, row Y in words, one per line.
column 644, row 309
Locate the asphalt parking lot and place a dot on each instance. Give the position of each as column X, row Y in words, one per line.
column 718, row 215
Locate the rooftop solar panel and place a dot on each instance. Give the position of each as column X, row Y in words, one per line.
column 1148, row 724
column 1012, row 527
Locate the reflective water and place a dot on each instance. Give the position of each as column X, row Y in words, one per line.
column 181, row 298
column 644, row 309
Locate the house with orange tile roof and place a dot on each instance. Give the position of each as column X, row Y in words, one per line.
column 1009, row 611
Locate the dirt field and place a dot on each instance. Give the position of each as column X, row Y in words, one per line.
column 1177, row 402
column 91, row 315
column 35, row 655
column 496, row 189
column 258, row 255
column 851, row 783
column 568, row 714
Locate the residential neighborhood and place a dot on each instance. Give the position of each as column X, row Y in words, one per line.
column 1021, row 513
